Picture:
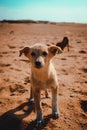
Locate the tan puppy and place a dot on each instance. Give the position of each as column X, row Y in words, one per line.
column 43, row 75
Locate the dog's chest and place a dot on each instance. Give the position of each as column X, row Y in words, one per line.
column 44, row 78
column 48, row 82
column 42, row 85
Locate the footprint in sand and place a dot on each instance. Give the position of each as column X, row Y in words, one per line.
column 83, row 104
column 11, row 47
column 5, row 65
column 17, row 88
column 27, row 61
column 82, row 52
column 27, row 80
column 1, row 71
column 12, row 32
column 84, row 70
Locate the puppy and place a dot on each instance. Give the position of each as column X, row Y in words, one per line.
column 64, row 43
column 43, row 75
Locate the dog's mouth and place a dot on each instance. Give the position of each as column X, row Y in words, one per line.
column 38, row 67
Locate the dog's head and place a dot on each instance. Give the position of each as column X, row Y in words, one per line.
column 39, row 54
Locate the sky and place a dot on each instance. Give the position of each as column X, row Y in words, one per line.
column 47, row 10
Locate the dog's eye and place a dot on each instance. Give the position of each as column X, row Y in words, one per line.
column 44, row 53
column 32, row 54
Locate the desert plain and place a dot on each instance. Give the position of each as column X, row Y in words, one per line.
column 16, row 113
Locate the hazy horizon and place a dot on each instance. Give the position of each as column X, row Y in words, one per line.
column 47, row 10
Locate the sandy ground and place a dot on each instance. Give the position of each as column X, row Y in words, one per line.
column 16, row 112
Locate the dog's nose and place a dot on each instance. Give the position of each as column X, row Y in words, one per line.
column 38, row 63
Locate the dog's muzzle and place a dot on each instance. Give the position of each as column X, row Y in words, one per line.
column 38, row 64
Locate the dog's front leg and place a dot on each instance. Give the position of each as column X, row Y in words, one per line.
column 47, row 94
column 39, row 117
column 31, row 95
column 55, row 111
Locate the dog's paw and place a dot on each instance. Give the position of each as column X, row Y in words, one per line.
column 47, row 96
column 31, row 100
column 40, row 124
column 56, row 115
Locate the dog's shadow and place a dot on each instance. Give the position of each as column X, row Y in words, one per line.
column 12, row 121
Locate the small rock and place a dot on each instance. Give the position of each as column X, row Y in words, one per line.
column 72, row 94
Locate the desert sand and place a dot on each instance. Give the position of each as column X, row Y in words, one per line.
column 16, row 113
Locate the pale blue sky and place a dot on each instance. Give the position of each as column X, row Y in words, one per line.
column 51, row 10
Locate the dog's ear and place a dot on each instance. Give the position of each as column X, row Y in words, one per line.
column 54, row 49
column 25, row 51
